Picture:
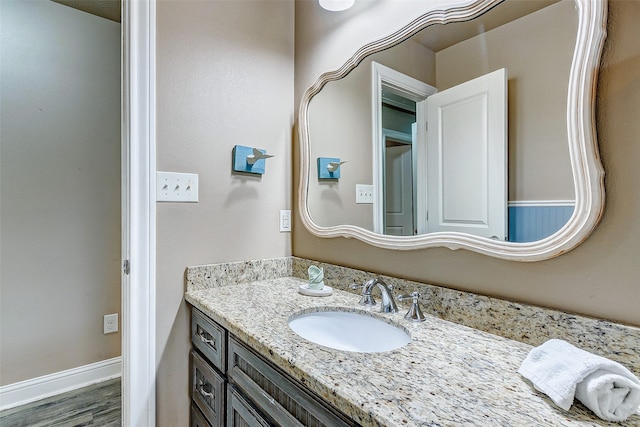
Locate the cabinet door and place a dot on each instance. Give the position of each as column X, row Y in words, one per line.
column 207, row 390
column 240, row 413
column 285, row 402
column 197, row 419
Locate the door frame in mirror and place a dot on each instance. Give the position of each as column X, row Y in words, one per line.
column 412, row 88
column 588, row 174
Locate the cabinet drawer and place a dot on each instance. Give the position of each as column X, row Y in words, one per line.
column 207, row 390
column 209, row 338
column 197, row 419
column 240, row 413
column 278, row 396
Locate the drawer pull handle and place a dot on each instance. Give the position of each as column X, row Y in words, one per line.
column 204, row 337
column 206, row 340
column 269, row 398
column 202, row 391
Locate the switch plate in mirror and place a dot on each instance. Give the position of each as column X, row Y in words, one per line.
column 364, row 194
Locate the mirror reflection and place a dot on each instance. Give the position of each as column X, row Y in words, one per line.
column 431, row 146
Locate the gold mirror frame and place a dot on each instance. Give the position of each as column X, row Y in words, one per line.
column 588, row 174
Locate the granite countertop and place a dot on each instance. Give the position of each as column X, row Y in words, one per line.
column 449, row 375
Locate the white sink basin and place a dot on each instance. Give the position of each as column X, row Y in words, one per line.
column 349, row 331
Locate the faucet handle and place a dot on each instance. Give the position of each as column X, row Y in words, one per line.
column 414, row 314
column 413, row 295
column 366, row 300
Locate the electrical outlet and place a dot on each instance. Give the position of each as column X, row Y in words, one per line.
column 364, row 193
column 176, row 187
column 285, row 220
column 110, row 323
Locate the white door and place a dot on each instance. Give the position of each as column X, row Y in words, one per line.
column 467, row 157
column 398, row 191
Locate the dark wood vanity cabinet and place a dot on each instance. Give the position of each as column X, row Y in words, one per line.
column 234, row 386
column 208, row 368
column 240, row 412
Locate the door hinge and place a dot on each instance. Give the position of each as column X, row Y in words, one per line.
column 126, row 267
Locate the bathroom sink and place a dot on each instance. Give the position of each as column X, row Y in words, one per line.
column 349, row 331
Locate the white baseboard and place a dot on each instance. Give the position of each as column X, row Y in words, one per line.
column 28, row 391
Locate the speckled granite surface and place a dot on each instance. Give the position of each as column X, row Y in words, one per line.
column 525, row 323
column 521, row 322
column 449, row 375
column 231, row 273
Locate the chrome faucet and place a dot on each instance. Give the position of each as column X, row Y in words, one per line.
column 388, row 301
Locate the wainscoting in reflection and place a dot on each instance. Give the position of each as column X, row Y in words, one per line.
column 534, row 220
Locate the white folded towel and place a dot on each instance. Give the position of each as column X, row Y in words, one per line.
column 563, row 372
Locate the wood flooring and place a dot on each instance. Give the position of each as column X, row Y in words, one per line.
column 96, row 405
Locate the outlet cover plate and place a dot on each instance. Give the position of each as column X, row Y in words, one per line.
column 110, row 323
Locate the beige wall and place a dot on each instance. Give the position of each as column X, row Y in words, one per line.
column 537, row 51
column 340, row 123
column 224, row 77
column 225, row 72
column 601, row 277
column 60, row 184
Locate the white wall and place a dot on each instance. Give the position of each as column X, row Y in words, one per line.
column 60, row 188
column 224, row 77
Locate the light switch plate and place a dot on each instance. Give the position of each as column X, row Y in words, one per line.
column 364, row 193
column 176, row 187
column 285, row 220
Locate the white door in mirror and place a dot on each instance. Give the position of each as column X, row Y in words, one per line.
column 467, row 157
column 398, row 188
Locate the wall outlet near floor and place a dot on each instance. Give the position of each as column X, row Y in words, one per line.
column 364, row 193
column 110, row 323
